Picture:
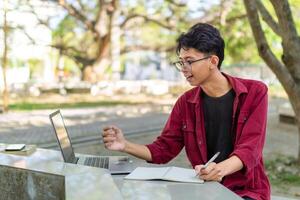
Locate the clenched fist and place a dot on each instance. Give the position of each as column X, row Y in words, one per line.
column 113, row 138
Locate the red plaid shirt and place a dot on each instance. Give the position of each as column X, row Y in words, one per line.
column 185, row 128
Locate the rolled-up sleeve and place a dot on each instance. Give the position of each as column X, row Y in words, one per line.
column 250, row 142
column 170, row 142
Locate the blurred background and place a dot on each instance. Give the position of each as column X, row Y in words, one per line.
column 110, row 61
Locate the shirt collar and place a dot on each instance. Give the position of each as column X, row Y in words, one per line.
column 236, row 84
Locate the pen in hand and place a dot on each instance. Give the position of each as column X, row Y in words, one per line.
column 208, row 162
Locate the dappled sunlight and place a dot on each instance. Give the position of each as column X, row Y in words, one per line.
column 19, row 120
column 35, row 125
column 141, row 104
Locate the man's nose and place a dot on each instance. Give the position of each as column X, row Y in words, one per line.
column 184, row 70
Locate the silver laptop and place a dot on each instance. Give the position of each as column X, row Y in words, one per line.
column 115, row 164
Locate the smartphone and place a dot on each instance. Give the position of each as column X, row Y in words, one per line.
column 15, row 147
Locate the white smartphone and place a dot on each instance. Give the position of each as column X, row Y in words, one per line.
column 14, row 147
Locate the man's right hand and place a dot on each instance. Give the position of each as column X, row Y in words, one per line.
column 113, row 138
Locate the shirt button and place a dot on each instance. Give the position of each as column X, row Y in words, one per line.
column 199, row 142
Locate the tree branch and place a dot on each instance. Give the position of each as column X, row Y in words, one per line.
column 78, row 15
column 216, row 17
column 225, row 7
column 22, row 28
column 82, row 7
column 290, row 38
column 41, row 21
column 285, row 18
column 268, row 18
column 146, row 19
column 79, row 56
column 265, row 52
column 173, row 2
column 235, row 18
column 147, row 48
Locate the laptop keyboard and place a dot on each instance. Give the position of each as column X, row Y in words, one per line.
column 101, row 162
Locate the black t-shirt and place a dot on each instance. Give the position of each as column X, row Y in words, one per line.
column 218, row 121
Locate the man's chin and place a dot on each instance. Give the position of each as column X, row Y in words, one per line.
column 192, row 84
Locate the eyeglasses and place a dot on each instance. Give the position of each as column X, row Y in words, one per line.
column 181, row 64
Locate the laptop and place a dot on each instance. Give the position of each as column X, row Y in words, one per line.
column 115, row 164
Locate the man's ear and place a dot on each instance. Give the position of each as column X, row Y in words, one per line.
column 214, row 60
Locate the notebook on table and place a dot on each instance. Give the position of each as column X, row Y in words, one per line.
column 176, row 174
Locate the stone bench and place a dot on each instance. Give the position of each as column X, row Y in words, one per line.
column 286, row 113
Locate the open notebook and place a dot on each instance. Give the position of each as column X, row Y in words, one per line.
column 177, row 174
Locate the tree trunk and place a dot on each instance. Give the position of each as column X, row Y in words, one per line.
column 4, row 60
column 116, row 46
column 104, row 28
column 297, row 121
column 298, row 124
column 287, row 70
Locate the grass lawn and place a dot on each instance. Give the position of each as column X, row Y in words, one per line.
column 27, row 106
column 52, row 101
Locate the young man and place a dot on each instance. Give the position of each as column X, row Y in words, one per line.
column 220, row 114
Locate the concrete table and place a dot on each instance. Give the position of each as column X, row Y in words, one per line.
column 43, row 174
column 83, row 182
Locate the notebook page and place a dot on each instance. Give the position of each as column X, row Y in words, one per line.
column 147, row 173
column 182, row 175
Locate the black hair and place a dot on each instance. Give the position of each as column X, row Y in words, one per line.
column 205, row 38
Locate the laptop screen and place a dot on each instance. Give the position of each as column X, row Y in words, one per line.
column 62, row 137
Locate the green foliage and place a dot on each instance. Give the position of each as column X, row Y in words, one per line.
column 295, row 7
column 239, row 42
column 16, row 62
column 73, row 33
column 70, row 66
column 35, row 67
column 66, row 25
column 283, row 170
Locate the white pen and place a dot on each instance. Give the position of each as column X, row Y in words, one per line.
column 210, row 161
